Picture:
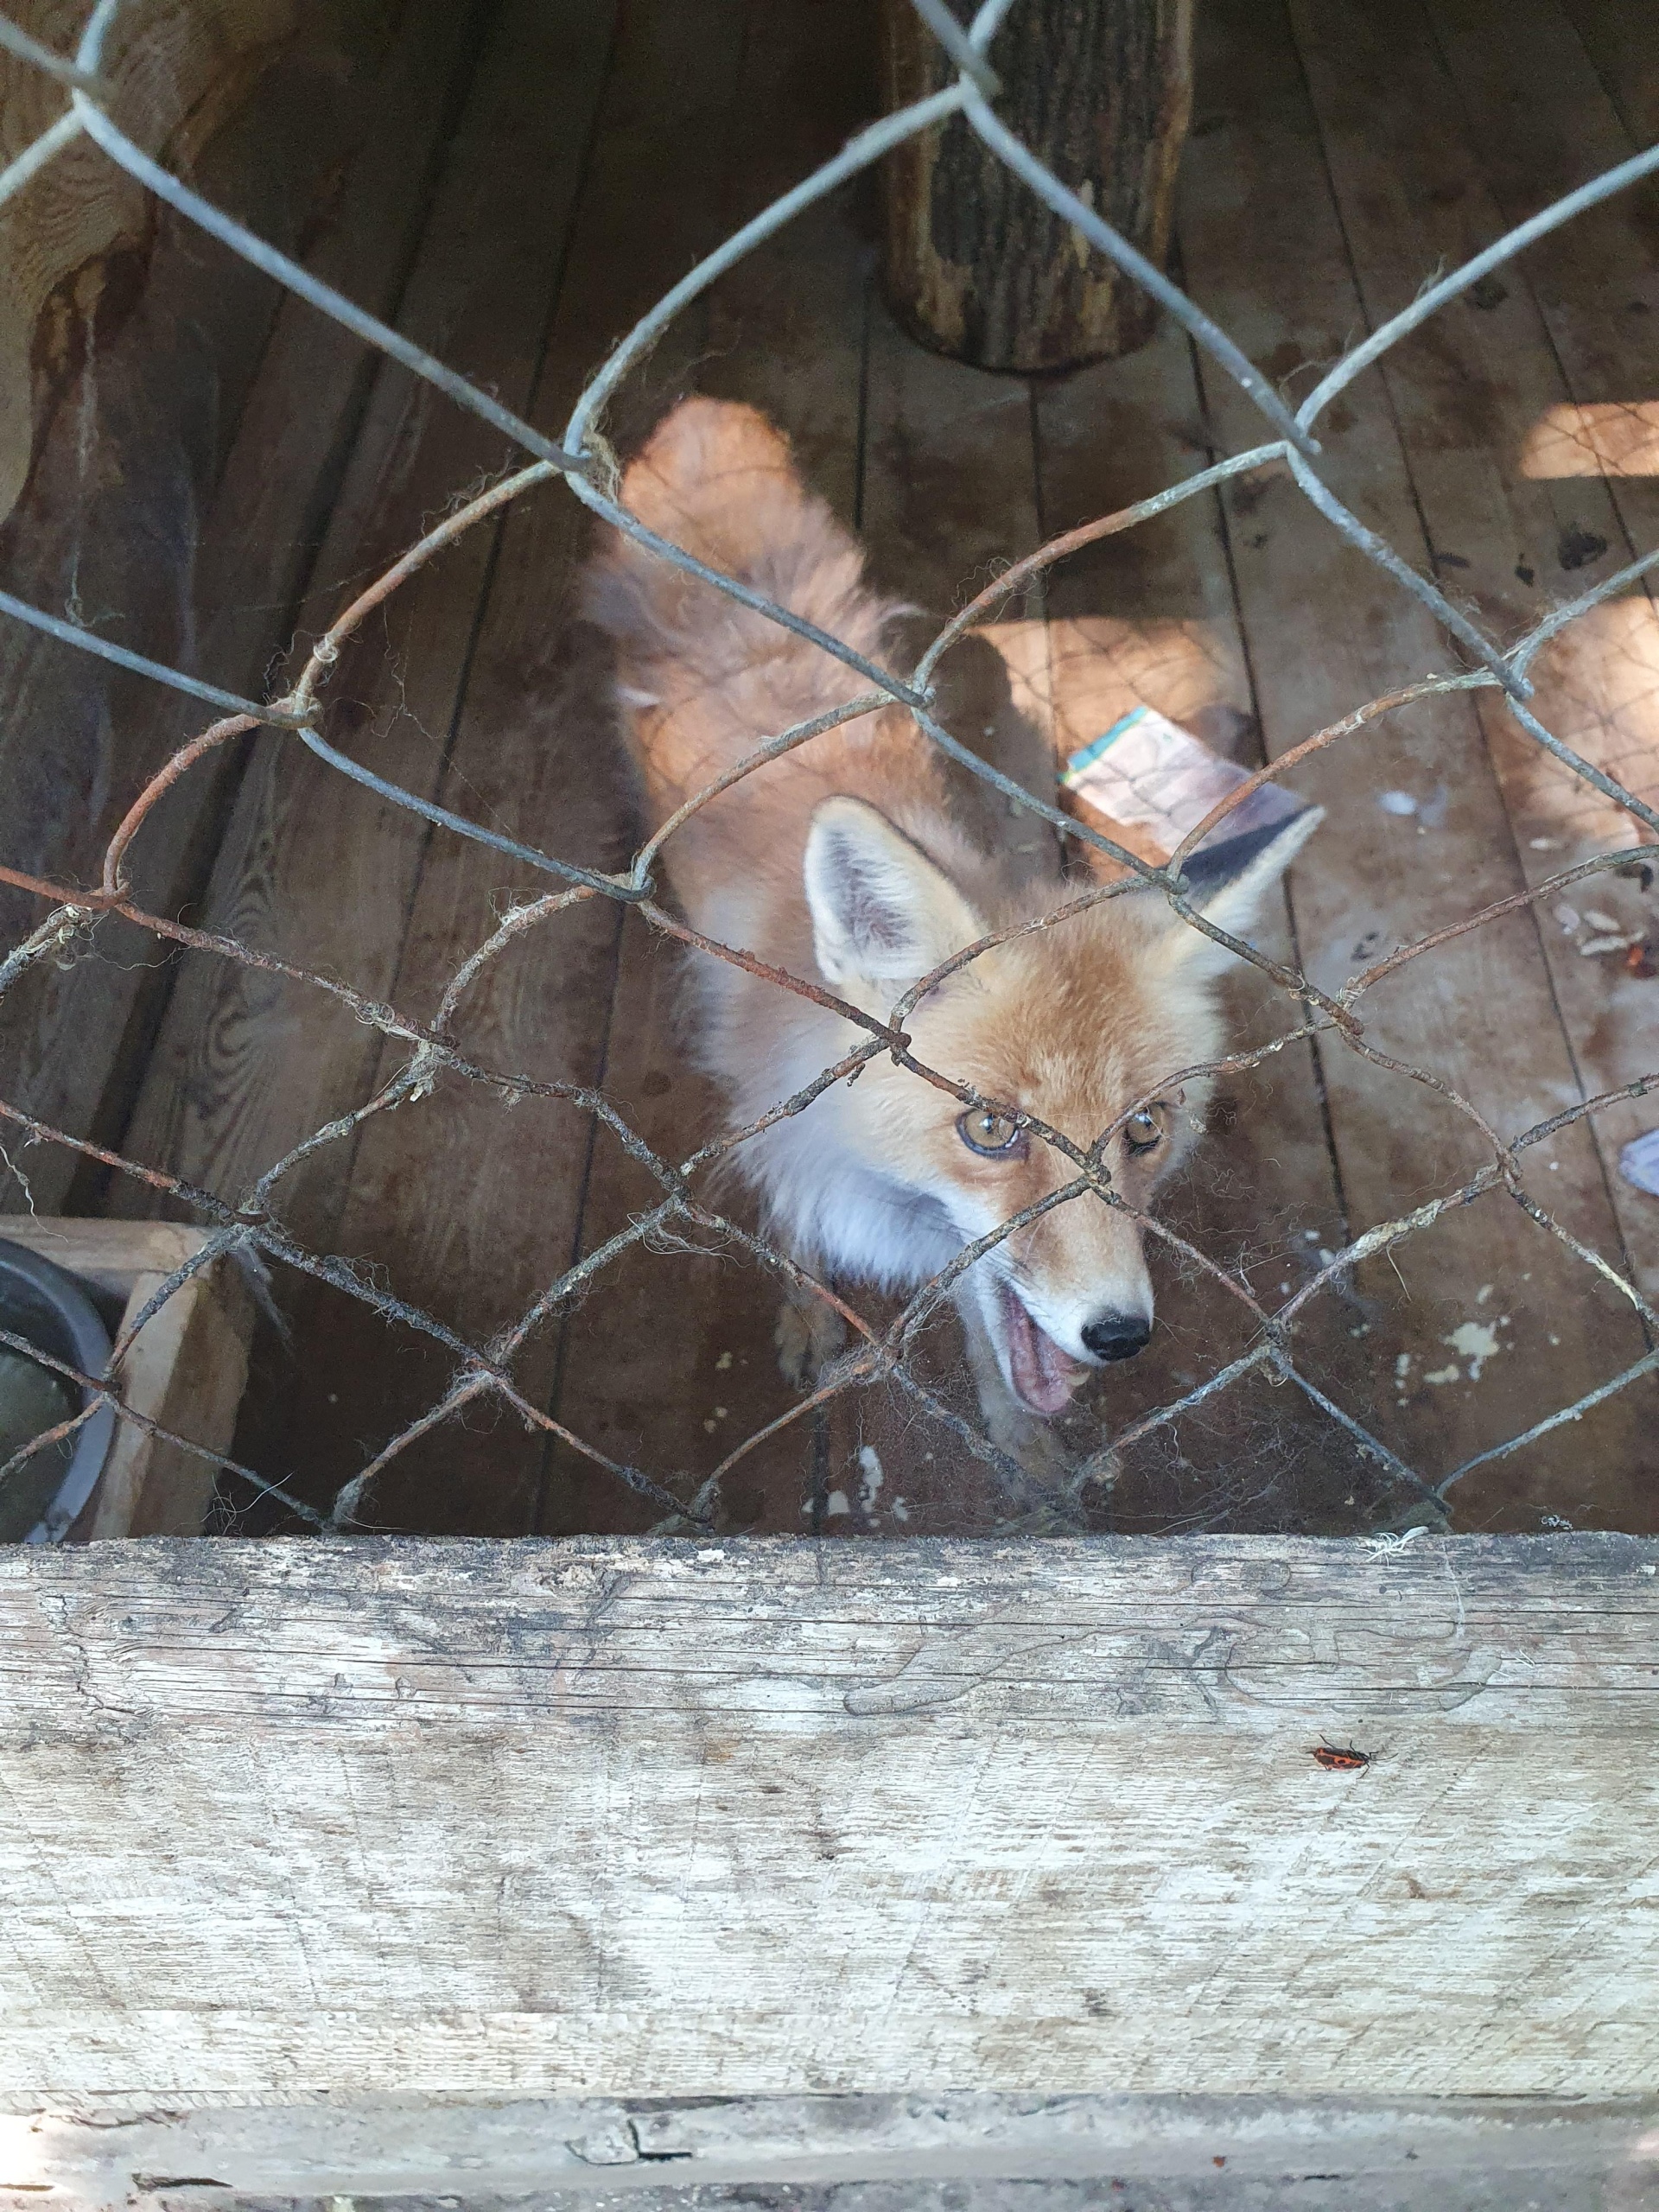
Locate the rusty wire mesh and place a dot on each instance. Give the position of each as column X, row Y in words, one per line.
column 583, row 463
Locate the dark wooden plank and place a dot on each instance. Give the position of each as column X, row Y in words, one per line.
column 532, row 746
column 1150, row 615
column 670, row 1361
column 1469, row 396
column 1589, row 295
column 1264, row 252
column 191, row 536
column 319, row 870
column 1622, row 39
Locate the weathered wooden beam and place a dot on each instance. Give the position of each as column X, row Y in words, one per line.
column 568, row 2152
column 639, row 1818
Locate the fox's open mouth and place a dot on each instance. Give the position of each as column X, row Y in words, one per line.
column 1044, row 1376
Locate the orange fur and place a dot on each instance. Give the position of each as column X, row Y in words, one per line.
column 1072, row 1023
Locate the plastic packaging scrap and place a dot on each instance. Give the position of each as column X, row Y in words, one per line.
column 1639, row 1162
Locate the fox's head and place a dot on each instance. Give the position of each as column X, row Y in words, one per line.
column 1072, row 1023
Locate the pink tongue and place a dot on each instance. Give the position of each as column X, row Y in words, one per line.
column 1044, row 1376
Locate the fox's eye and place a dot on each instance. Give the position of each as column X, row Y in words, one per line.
column 1144, row 1130
column 982, row 1131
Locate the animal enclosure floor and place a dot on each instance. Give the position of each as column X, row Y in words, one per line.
column 1343, row 152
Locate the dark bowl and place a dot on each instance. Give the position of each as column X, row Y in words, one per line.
column 48, row 1308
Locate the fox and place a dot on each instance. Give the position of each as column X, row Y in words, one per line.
column 845, row 862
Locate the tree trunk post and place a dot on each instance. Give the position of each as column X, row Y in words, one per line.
column 975, row 265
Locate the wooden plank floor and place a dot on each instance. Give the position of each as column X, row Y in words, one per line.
column 1339, row 154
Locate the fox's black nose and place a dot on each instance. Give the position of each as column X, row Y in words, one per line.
column 1117, row 1336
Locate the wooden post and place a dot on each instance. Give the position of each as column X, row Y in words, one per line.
column 975, row 265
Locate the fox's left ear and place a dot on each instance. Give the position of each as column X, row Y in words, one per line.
column 1228, row 886
column 883, row 912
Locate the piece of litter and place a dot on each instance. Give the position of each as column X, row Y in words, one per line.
column 1310, row 1237
column 1569, row 918
column 1148, row 773
column 1639, row 1163
column 1545, row 844
column 708, row 1428
column 1476, row 1343
column 1483, row 1293
column 1450, row 1374
column 723, row 1362
column 1554, row 1166
column 1593, row 947
column 1385, row 1544
column 1599, row 921
column 1402, row 1365
column 836, row 1503
column 1396, row 802
column 871, row 1476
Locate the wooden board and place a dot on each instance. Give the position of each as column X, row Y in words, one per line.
column 185, row 1369
column 955, row 2151
column 652, row 202
column 1620, row 39
column 669, row 1362
column 321, row 871
column 1150, row 616
column 1264, row 252
column 196, row 425
column 635, row 1819
column 1470, row 397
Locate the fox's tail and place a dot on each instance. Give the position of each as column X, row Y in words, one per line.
column 716, row 480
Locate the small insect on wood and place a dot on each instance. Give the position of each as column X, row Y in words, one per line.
column 1346, row 1760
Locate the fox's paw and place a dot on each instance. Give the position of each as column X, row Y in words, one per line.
column 808, row 1338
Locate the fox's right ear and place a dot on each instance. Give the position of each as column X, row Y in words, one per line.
column 883, row 913
column 1229, row 886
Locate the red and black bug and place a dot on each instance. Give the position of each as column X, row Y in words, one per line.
column 1335, row 1761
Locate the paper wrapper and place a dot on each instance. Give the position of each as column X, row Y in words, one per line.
column 1147, row 782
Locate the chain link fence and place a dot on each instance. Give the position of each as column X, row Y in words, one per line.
column 581, row 466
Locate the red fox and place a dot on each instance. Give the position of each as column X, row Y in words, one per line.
column 843, row 862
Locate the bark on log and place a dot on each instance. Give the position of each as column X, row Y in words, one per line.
column 975, row 265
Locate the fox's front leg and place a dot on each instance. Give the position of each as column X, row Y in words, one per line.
column 810, row 1332
column 1010, row 1425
